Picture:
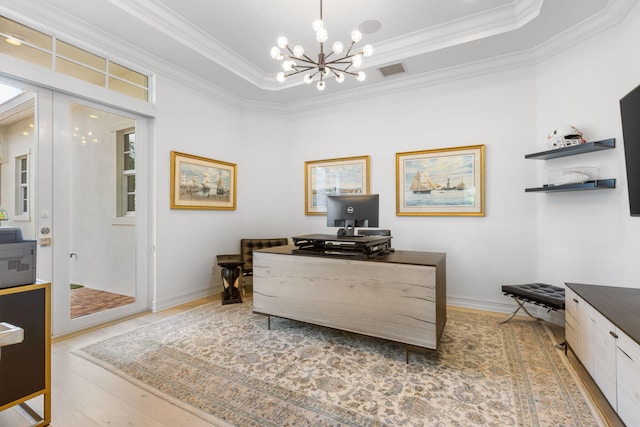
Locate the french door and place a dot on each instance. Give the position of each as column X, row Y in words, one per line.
column 97, row 171
column 73, row 175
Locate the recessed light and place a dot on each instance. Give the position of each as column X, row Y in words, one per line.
column 369, row 27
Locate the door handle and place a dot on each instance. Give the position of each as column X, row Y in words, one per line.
column 73, row 254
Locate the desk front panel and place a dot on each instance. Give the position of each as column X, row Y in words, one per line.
column 386, row 300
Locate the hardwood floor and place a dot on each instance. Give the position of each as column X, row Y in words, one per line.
column 86, row 395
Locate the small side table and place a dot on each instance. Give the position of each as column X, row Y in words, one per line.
column 230, row 270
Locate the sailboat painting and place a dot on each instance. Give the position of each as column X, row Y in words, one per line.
column 447, row 181
column 202, row 183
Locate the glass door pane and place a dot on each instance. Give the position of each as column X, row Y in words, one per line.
column 94, row 213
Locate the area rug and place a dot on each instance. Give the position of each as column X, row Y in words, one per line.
column 221, row 363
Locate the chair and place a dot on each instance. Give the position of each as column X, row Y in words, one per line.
column 246, row 255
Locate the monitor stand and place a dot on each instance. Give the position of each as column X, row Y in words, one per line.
column 348, row 230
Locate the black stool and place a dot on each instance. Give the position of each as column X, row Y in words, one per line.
column 547, row 296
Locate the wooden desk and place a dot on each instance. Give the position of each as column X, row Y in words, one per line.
column 399, row 297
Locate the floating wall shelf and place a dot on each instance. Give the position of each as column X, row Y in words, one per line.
column 600, row 184
column 587, row 147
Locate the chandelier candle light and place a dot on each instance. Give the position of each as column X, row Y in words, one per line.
column 296, row 62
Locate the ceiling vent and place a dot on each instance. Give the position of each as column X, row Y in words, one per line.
column 392, row 70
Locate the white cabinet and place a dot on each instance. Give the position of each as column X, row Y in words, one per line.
column 579, row 328
column 571, row 318
column 604, row 356
column 628, row 379
column 595, row 325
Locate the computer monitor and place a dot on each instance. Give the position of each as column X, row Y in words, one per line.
column 351, row 211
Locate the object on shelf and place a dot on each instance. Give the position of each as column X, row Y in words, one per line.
column 573, row 175
column 565, row 137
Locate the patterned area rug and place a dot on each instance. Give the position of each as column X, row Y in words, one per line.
column 224, row 365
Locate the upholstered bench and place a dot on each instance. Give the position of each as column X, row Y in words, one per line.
column 548, row 296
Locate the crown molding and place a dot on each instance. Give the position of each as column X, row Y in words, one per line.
column 90, row 37
column 613, row 14
column 156, row 15
column 490, row 22
column 95, row 40
column 411, row 83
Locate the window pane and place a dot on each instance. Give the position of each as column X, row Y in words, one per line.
column 22, row 33
column 131, row 203
column 129, row 161
column 131, row 184
column 79, row 55
column 27, row 53
column 127, row 89
column 80, row 72
column 128, row 74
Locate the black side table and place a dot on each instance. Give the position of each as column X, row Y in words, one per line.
column 230, row 270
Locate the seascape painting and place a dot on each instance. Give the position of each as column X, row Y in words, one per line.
column 441, row 182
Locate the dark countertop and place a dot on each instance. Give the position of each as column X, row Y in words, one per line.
column 620, row 305
column 396, row 257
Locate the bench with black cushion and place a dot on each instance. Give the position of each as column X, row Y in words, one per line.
column 548, row 296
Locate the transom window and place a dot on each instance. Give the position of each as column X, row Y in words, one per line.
column 47, row 51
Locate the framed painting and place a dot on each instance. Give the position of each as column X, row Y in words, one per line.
column 201, row 183
column 445, row 181
column 348, row 175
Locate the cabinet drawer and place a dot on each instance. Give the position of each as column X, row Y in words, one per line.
column 571, row 332
column 628, row 377
column 571, row 300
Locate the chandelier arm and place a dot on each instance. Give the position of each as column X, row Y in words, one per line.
column 349, row 50
column 339, row 61
column 342, row 71
column 308, row 61
column 295, row 72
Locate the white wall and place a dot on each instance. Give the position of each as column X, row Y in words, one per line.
column 498, row 111
column 589, row 237
column 187, row 241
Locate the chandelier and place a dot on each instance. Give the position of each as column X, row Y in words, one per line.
column 296, row 61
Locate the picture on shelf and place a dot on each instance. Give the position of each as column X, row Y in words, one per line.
column 202, row 183
column 446, row 181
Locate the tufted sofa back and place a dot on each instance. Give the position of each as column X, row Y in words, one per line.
column 248, row 245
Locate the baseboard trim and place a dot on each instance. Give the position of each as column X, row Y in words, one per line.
column 183, row 299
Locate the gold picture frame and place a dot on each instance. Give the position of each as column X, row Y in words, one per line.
column 441, row 182
column 202, row 183
column 347, row 175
